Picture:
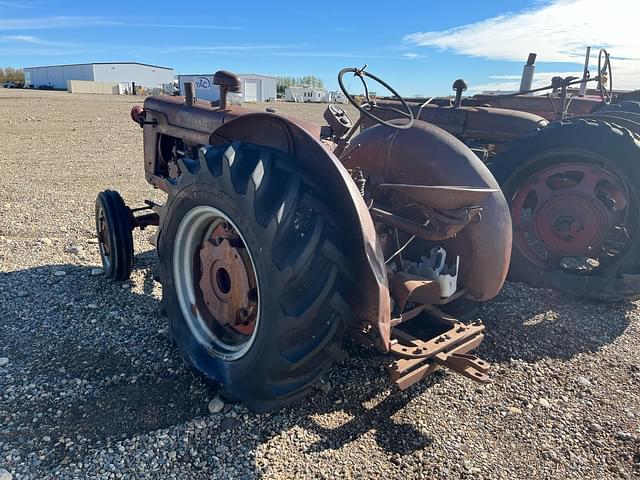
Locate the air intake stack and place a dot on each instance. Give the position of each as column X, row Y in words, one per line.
column 527, row 73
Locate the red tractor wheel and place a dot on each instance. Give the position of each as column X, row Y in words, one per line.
column 573, row 192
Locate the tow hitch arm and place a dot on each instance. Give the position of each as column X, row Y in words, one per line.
column 416, row 358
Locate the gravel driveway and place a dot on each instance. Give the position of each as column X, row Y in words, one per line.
column 90, row 386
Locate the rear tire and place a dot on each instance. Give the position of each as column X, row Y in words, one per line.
column 610, row 149
column 298, row 260
column 115, row 239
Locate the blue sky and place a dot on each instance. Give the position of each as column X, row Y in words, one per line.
column 420, row 47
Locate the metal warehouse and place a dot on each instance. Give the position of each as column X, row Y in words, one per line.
column 255, row 88
column 56, row 76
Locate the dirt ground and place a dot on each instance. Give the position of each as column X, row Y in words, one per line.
column 90, row 386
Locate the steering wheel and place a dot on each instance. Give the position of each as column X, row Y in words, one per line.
column 605, row 79
column 370, row 105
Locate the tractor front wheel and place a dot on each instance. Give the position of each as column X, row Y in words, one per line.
column 114, row 231
column 254, row 274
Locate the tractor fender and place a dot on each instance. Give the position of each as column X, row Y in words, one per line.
column 428, row 155
column 300, row 140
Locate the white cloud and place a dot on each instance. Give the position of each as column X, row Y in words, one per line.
column 15, row 4
column 363, row 56
column 31, row 40
column 229, row 48
column 49, row 22
column 178, row 25
column 510, row 83
column 79, row 21
column 19, row 38
column 557, row 30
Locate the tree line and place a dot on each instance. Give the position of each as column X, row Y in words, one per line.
column 10, row 74
column 285, row 81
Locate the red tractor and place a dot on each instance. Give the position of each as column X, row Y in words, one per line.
column 278, row 239
column 569, row 167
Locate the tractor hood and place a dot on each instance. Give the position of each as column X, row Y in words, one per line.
column 485, row 124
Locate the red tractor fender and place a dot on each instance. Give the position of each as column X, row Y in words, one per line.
column 428, row 155
column 300, row 140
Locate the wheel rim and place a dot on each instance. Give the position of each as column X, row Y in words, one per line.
column 104, row 243
column 571, row 210
column 215, row 282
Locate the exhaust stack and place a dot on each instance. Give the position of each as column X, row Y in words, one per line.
column 189, row 94
column 527, row 73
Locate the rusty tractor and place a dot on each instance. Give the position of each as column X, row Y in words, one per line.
column 279, row 238
column 567, row 162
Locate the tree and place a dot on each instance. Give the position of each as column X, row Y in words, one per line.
column 10, row 74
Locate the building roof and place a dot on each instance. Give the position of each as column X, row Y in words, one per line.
column 255, row 75
column 103, row 63
column 211, row 74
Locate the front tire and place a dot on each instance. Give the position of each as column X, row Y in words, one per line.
column 270, row 325
column 114, row 232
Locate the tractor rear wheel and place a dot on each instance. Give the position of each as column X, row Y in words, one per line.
column 115, row 240
column 254, row 274
column 573, row 190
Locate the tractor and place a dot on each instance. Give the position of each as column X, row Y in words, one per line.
column 279, row 239
column 567, row 163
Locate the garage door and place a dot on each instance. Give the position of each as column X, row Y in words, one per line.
column 250, row 91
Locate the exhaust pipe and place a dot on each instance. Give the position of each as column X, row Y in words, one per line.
column 189, row 94
column 527, row 73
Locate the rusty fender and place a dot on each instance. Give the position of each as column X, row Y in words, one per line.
column 427, row 155
column 370, row 300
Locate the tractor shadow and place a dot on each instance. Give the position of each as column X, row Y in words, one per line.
column 91, row 364
column 362, row 402
column 531, row 324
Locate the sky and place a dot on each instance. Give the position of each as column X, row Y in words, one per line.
column 419, row 47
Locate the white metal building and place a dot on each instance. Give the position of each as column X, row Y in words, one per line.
column 203, row 83
column 56, row 76
column 258, row 88
column 255, row 88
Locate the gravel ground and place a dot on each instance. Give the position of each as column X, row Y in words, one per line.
column 90, row 386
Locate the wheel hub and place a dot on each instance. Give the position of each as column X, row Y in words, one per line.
column 215, row 282
column 571, row 224
column 569, row 210
column 226, row 287
column 103, row 235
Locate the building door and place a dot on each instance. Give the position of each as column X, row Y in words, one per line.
column 250, row 91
